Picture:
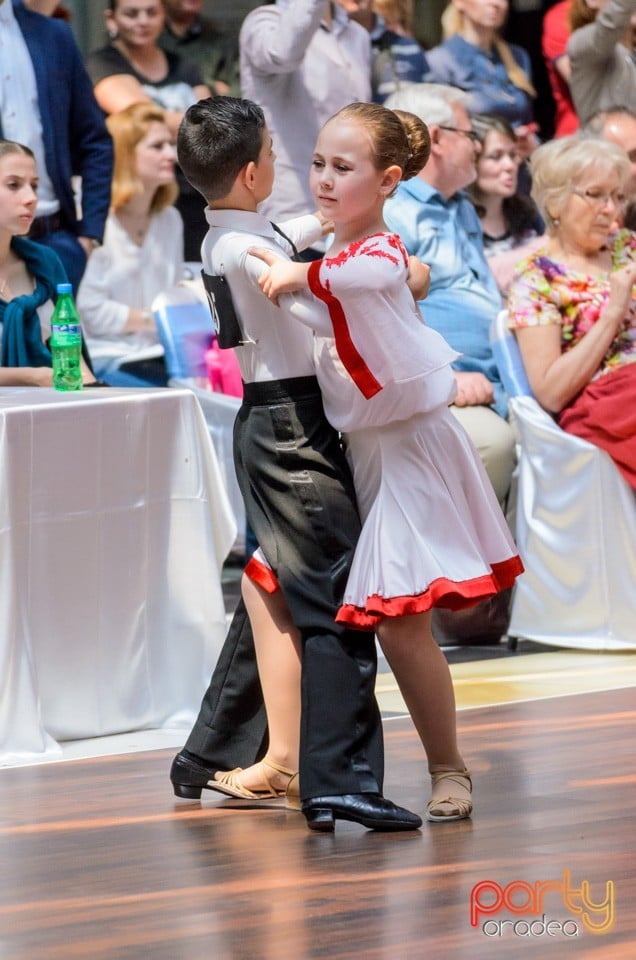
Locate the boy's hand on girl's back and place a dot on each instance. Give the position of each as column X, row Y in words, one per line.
column 282, row 276
column 327, row 225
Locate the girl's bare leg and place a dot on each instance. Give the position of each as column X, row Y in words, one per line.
column 424, row 679
column 277, row 645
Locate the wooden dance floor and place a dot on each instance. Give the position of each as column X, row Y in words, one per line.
column 98, row 860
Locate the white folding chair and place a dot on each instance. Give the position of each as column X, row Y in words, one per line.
column 575, row 527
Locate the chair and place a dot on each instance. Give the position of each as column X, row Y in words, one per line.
column 575, row 527
column 185, row 329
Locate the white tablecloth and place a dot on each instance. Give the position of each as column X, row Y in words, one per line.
column 220, row 411
column 114, row 524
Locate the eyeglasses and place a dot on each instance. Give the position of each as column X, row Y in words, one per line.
column 471, row 134
column 599, row 199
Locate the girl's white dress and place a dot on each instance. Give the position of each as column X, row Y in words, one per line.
column 433, row 532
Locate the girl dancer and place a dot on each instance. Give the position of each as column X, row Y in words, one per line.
column 433, row 531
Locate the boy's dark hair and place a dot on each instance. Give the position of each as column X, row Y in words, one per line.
column 216, row 139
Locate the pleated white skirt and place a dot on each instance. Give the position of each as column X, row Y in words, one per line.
column 433, row 531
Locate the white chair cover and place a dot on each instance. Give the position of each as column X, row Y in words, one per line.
column 575, row 528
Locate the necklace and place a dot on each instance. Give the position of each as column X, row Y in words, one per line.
column 135, row 224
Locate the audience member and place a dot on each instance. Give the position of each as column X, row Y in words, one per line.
column 301, row 61
column 619, row 125
column 494, row 74
column 134, row 69
column 47, row 103
column 397, row 15
column 29, row 274
column 510, row 221
column 198, row 40
column 437, row 223
column 142, row 252
column 554, row 39
column 50, row 8
column 396, row 58
column 602, row 69
column 572, row 302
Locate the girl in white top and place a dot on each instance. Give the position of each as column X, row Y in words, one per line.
column 142, row 254
column 433, row 532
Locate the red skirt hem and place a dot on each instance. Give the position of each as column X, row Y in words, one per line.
column 440, row 593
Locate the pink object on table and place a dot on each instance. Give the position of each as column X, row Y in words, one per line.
column 224, row 371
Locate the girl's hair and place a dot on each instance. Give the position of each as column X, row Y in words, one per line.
column 128, row 128
column 520, row 211
column 558, row 164
column 452, row 21
column 579, row 14
column 396, row 11
column 11, row 146
column 397, row 137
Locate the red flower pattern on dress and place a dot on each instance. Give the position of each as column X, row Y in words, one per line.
column 371, row 243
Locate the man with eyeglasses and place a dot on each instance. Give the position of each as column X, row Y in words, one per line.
column 438, row 223
column 619, row 125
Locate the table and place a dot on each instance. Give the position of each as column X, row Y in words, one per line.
column 114, row 525
column 220, row 411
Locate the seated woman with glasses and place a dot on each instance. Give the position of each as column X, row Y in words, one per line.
column 571, row 303
column 510, row 222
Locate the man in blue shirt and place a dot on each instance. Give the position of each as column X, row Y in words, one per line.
column 437, row 223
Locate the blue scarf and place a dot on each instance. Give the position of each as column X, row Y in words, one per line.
column 22, row 344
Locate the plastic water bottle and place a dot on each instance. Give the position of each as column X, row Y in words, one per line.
column 66, row 341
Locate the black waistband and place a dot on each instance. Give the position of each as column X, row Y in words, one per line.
column 280, row 391
column 42, row 226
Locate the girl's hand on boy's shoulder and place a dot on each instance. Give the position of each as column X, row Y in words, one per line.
column 281, row 276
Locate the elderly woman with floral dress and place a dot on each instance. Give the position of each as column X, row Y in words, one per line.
column 571, row 303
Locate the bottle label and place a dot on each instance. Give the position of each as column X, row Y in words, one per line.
column 72, row 328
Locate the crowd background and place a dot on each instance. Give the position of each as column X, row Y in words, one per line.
column 523, row 26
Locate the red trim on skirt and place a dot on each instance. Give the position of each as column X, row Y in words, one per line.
column 440, row 593
column 261, row 574
column 604, row 413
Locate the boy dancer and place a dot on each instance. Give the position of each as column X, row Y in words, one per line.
column 296, row 485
